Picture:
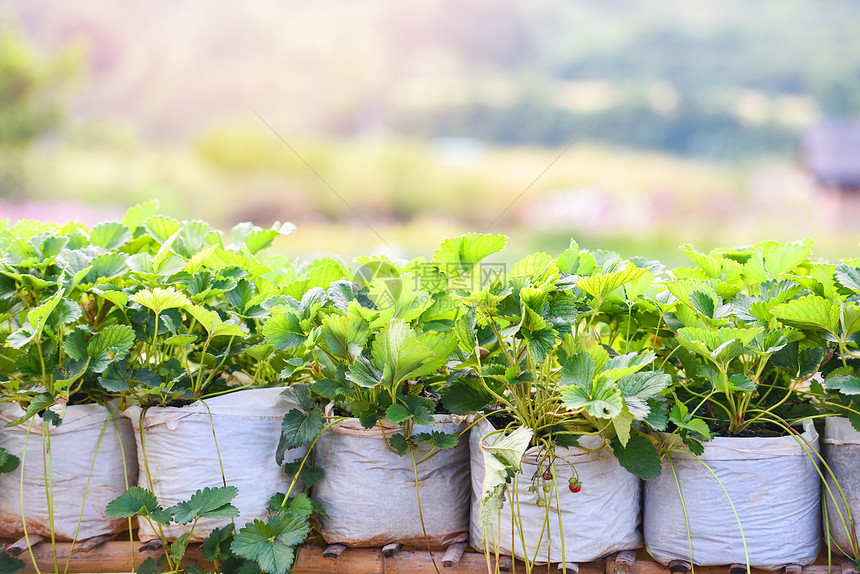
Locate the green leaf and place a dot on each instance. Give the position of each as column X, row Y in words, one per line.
column 137, row 501
column 345, row 337
column 845, row 384
column 418, row 409
column 402, row 355
column 8, row 462
column 217, row 544
column 398, row 443
column 136, row 215
column 601, row 285
column 603, row 400
column 111, row 344
column 302, row 505
column 578, row 369
column 284, row 331
column 211, row 321
column 810, row 312
column 271, row 544
column 848, row 277
column 465, row 251
column 440, row 440
column 9, row 565
column 161, row 299
column 681, row 417
column 161, row 228
column 178, row 547
column 300, row 429
column 207, row 503
column 639, row 456
column 639, row 387
column 110, row 235
column 37, row 404
column 465, row 397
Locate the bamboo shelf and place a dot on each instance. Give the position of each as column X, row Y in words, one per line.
column 117, row 556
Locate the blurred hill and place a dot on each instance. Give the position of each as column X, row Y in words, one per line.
column 725, row 80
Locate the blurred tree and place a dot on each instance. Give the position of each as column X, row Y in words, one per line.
column 33, row 90
column 32, row 87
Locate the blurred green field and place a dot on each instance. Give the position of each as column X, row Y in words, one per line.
column 409, row 195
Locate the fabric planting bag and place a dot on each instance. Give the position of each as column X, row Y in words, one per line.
column 90, row 458
column 602, row 518
column 842, row 454
column 773, row 484
column 183, row 449
column 368, row 492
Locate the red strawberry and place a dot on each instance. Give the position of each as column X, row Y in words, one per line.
column 574, row 484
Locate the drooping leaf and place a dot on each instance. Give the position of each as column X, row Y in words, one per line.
column 638, row 456
column 8, row 462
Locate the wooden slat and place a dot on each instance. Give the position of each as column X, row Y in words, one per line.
column 116, row 556
column 108, row 557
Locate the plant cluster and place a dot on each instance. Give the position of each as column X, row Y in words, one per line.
column 154, row 311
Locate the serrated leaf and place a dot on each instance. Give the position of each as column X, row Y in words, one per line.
column 284, row 331
column 139, row 213
column 601, row 285
column 110, row 235
column 111, row 344
column 845, row 384
column 402, row 354
column 810, row 312
column 465, row 397
column 463, row 252
column 211, row 321
column 37, row 404
column 345, row 336
column 603, row 400
column 639, row 387
column 638, row 456
column 207, row 503
column 300, row 429
column 161, row 228
column 848, row 277
column 137, row 501
column 271, row 543
column 8, row 462
column 160, row 299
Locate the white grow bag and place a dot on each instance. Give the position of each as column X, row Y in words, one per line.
column 602, row 518
column 842, row 453
column 369, row 494
column 180, row 447
column 775, row 489
column 87, row 470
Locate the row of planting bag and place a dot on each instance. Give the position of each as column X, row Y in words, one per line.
column 368, row 492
